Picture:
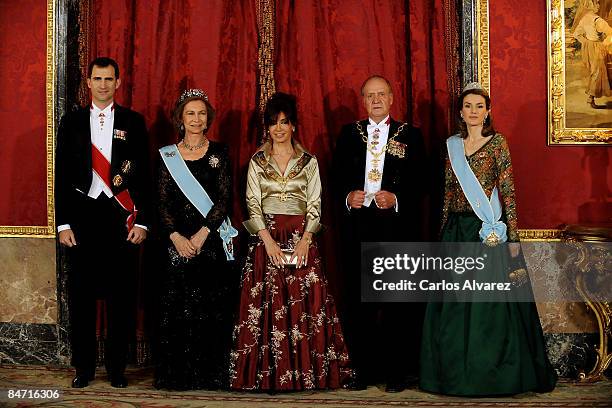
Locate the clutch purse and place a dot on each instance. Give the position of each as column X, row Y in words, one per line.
column 288, row 254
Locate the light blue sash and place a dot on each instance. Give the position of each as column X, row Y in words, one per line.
column 196, row 194
column 493, row 230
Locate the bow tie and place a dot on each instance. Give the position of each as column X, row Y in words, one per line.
column 377, row 128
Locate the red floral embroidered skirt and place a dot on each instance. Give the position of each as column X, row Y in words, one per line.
column 287, row 335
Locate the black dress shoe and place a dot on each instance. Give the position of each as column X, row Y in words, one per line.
column 118, row 381
column 80, row 381
column 357, row 384
column 395, row 386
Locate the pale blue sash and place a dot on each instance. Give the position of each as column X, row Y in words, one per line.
column 493, row 230
column 196, row 194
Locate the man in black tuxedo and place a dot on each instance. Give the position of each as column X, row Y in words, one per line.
column 101, row 202
column 379, row 166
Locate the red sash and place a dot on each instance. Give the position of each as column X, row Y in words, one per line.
column 102, row 167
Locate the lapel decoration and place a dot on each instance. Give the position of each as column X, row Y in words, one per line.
column 117, row 180
column 119, row 134
column 126, row 166
column 397, row 149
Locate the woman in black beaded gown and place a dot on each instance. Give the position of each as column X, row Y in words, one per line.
column 196, row 300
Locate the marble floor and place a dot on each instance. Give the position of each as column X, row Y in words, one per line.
column 140, row 393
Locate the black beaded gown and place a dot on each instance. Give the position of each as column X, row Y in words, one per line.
column 196, row 295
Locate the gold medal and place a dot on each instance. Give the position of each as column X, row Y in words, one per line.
column 117, row 180
column 492, row 240
column 374, row 176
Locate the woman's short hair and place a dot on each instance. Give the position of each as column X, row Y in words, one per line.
column 280, row 102
column 186, row 97
column 487, row 128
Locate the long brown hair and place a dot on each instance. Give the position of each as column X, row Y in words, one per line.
column 487, row 128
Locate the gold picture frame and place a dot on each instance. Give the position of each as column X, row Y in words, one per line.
column 572, row 120
column 44, row 231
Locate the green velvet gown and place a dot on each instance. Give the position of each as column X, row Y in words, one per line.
column 480, row 349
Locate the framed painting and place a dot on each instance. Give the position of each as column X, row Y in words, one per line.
column 579, row 72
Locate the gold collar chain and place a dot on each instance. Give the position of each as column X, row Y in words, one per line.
column 389, row 140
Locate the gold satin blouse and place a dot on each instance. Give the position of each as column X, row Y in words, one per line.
column 297, row 191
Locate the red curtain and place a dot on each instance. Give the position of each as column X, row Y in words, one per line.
column 326, row 48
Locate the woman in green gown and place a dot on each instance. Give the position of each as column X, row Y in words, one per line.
column 478, row 348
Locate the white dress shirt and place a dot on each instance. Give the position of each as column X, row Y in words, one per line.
column 101, row 125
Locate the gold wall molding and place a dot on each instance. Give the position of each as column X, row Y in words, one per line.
column 540, row 234
column 44, row 231
column 482, row 43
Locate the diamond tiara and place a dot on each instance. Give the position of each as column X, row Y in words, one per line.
column 473, row 85
column 192, row 93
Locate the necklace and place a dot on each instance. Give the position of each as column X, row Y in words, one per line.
column 191, row 148
column 282, row 181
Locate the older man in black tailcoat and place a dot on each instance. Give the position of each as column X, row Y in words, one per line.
column 379, row 165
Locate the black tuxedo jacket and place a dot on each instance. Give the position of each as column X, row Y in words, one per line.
column 402, row 176
column 129, row 160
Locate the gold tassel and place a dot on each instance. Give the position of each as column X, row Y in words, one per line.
column 266, row 20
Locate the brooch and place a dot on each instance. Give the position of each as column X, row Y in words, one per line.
column 213, row 161
column 126, row 166
column 170, row 154
column 117, row 180
column 119, row 134
column 397, row 149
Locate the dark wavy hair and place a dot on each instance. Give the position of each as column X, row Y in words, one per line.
column 280, row 102
column 487, row 128
column 177, row 113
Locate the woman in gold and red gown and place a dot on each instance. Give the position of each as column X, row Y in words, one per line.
column 287, row 336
